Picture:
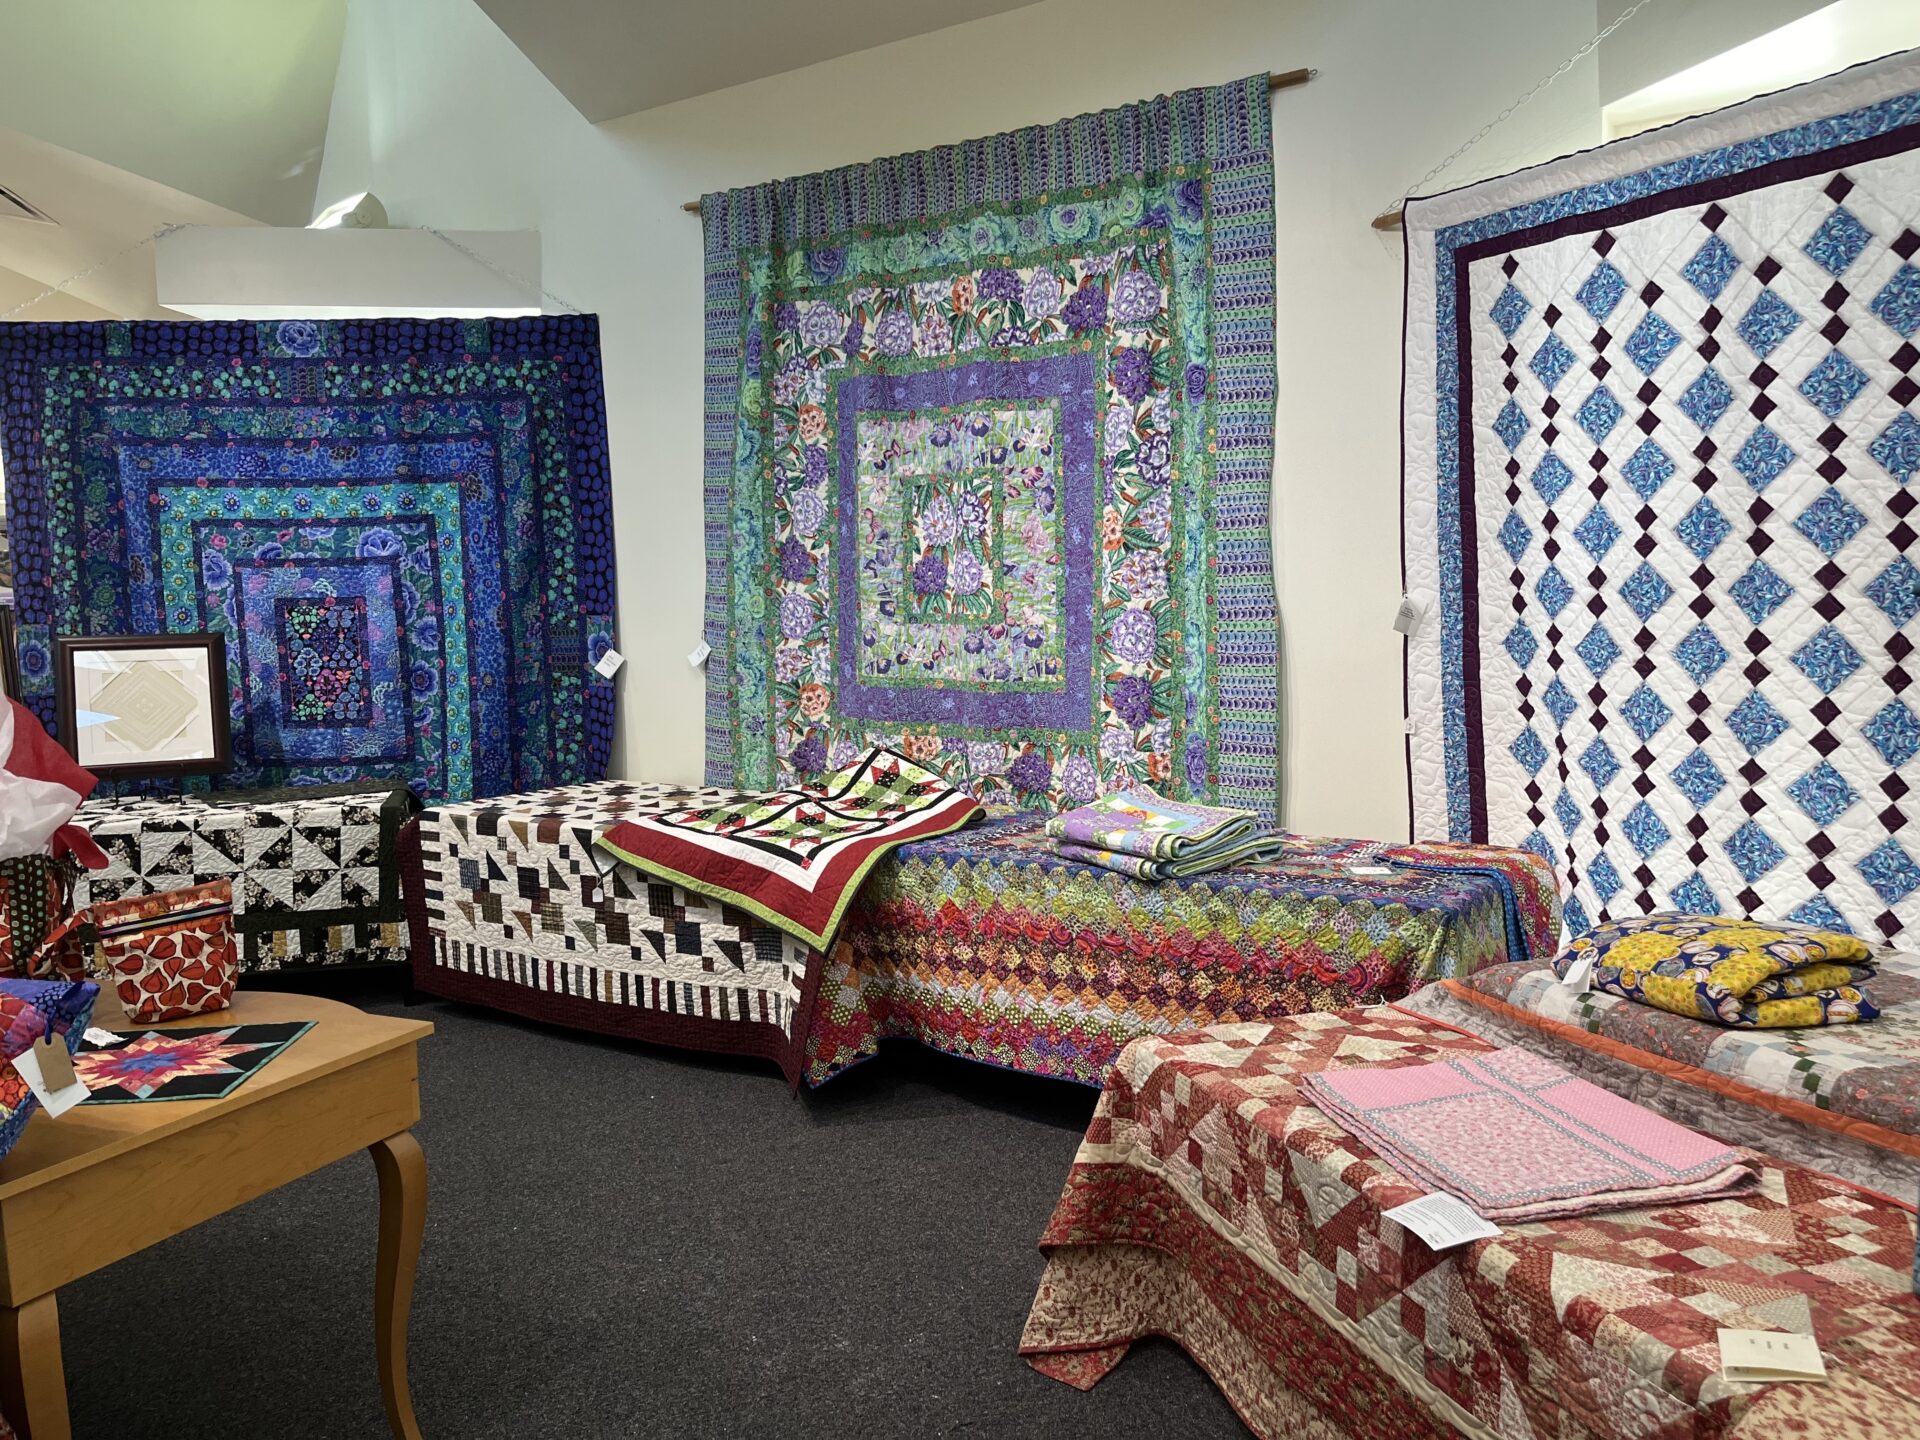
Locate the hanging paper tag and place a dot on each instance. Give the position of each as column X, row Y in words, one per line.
column 610, row 663
column 57, row 1098
column 1407, row 618
column 697, row 656
column 56, row 1065
column 1369, row 869
column 1577, row 973
column 1770, row 1355
column 1442, row 1221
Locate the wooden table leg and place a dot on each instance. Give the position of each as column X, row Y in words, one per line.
column 33, row 1385
column 402, row 1168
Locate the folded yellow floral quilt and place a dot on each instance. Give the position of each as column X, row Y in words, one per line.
column 1728, row 971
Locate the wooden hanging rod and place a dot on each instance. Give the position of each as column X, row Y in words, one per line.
column 1392, row 220
column 1278, row 80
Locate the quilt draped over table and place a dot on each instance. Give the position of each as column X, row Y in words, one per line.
column 988, row 456
column 402, row 527
column 1661, row 440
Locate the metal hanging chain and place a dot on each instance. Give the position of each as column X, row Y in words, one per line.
column 1506, row 114
column 520, row 281
column 71, row 280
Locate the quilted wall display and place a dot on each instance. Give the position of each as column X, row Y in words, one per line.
column 988, row 458
column 403, row 527
column 1660, row 450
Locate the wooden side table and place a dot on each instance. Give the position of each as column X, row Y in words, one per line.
column 105, row 1181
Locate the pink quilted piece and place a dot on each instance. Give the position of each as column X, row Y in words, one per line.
column 1518, row 1138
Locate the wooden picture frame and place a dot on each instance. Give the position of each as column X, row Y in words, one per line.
column 173, row 699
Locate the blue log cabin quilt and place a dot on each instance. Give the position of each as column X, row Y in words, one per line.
column 402, row 527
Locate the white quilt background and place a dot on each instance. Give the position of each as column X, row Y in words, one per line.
column 1694, row 447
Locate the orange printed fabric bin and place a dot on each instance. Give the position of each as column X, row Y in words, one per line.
column 171, row 954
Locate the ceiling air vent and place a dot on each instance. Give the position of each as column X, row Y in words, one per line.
column 12, row 207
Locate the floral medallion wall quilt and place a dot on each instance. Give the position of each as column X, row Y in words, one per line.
column 401, row 526
column 989, row 445
column 1660, row 445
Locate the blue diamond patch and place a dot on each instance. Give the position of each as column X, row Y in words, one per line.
column 1838, row 242
column 1646, row 590
column 1551, row 361
column 1521, row 645
column 1693, row 896
column 1823, row 792
column 1599, row 763
column 1552, row 590
column 1551, row 477
column 1819, row 913
column 1699, row 779
column 1598, row 650
column 1895, row 733
column 1647, row 469
column 1567, row 813
column 1830, row 522
column 1759, row 592
column 1827, row 659
column 1511, row 424
column 1599, row 413
column 1703, row 527
column 1559, row 702
column 1891, row 871
column 1706, row 399
column 1762, row 457
column 1601, row 291
column 1652, row 340
column 1898, row 447
column 1529, row 751
column 1597, row 532
column 1896, row 590
column 1603, row 877
column 1643, row 829
column 1646, row 712
column 1712, row 265
column 1515, row 536
column 1755, row 723
column 1700, row 653
column 1898, row 302
column 1509, row 310
column 1574, row 915
column 1832, row 384
column 1753, row 851
column 1768, row 321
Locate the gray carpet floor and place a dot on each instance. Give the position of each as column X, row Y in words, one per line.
column 625, row 1241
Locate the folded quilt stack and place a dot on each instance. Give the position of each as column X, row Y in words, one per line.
column 1150, row 837
column 1734, row 972
column 1520, row 1139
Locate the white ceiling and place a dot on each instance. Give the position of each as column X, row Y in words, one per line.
column 613, row 57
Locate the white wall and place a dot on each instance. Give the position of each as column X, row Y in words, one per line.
column 450, row 125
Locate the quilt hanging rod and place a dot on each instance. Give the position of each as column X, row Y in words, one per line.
column 1279, row 80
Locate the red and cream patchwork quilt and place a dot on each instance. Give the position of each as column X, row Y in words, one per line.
column 1210, row 1202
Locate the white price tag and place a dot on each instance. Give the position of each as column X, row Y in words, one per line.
column 1577, row 973
column 1770, row 1355
column 1369, row 869
column 697, row 656
column 610, row 662
column 1407, row 618
column 1442, row 1220
column 58, row 1100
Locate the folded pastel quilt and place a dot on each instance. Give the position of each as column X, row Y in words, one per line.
column 1735, row 972
column 1145, row 835
column 1520, row 1139
column 796, row 857
column 31, row 1010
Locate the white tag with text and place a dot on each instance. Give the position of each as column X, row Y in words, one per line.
column 1770, row 1355
column 58, row 1099
column 610, row 663
column 1442, row 1220
column 697, row 656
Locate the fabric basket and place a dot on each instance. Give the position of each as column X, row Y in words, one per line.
column 171, row 954
column 37, row 939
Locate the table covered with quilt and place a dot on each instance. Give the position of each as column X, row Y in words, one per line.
column 982, row 943
column 1840, row 1098
column 1212, row 1204
column 315, row 871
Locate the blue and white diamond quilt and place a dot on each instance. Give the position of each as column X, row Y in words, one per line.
column 1661, row 472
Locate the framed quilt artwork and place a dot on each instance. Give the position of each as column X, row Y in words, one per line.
column 988, row 461
column 402, row 528
column 144, row 705
column 1661, row 441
